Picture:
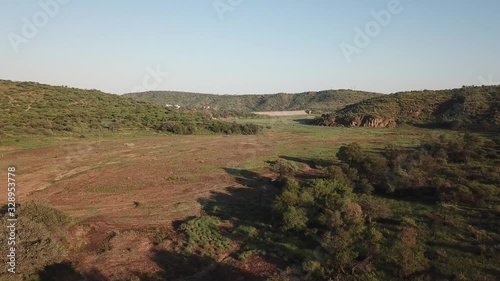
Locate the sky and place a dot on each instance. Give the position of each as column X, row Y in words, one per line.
column 251, row 46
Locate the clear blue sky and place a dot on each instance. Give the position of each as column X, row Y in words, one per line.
column 260, row 46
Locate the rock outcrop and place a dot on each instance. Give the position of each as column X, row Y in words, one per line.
column 356, row 121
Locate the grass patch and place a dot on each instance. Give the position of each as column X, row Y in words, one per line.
column 204, row 237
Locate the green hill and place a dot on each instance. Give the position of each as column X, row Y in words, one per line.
column 33, row 108
column 316, row 101
column 477, row 107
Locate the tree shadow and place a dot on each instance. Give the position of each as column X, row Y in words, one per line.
column 480, row 218
column 391, row 224
column 177, row 223
column 423, row 195
column 193, row 268
column 313, row 163
column 251, row 203
column 463, row 247
column 173, row 267
column 4, row 209
column 491, row 271
column 65, row 271
column 248, row 178
column 305, row 121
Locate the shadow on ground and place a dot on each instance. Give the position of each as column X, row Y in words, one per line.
column 193, row 268
column 251, row 203
column 173, row 267
column 305, row 121
column 312, row 163
column 65, row 271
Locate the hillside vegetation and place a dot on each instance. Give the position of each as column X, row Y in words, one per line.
column 33, row 108
column 316, row 101
column 465, row 107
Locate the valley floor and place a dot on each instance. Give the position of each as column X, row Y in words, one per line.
column 129, row 191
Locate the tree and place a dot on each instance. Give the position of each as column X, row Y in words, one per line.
column 351, row 154
column 294, row 218
column 336, row 173
column 326, row 212
column 408, row 254
column 372, row 208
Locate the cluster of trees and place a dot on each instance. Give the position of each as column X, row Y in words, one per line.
column 457, row 169
column 341, row 228
column 189, row 128
column 343, row 216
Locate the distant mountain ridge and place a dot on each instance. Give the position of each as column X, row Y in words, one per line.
column 317, row 101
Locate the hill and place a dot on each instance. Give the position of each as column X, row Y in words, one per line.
column 477, row 107
column 33, row 108
column 316, row 101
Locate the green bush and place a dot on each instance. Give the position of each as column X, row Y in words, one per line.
column 246, row 232
column 41, row 238
column 408, row 254
column 204, row 233
column 283, row 167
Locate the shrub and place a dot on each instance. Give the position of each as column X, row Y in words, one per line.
column 246, row 232
column 372, row 208
column 364, row 186
column 336, row 173
column 283, row 167
column 351, row 154
column 408, row 254
column 41, row 238
column 204, row 232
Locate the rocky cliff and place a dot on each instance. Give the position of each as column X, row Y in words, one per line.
column 356, row 121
